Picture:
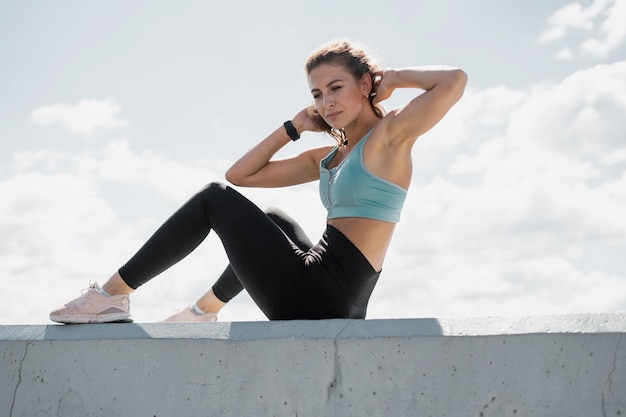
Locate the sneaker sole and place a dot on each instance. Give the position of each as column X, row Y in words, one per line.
column 78, row 319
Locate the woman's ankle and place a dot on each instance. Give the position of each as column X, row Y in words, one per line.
column 209, row 303
column 116, row 285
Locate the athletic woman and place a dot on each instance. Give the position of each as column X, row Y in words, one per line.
column 363, row 181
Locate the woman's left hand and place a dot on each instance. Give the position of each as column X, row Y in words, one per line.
column 382, row 85
column 303, row 122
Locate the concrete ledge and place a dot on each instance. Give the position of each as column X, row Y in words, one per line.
column 515, row 366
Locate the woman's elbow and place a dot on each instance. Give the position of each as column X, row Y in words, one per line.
column 233, row 178
column 460, row 78
column 457, row 82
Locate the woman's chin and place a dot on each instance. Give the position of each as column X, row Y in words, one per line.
column 335, row 125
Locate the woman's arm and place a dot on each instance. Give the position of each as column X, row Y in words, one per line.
column 443, row 87
column 257, row 169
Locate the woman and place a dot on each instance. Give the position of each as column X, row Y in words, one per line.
column 363, row 183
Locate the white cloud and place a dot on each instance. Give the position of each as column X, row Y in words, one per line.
column 565, row 54
column 83, row 118
column 582, row 115
column 172, row 179
column 602, row 24
column 572, row 16
column 612, row 32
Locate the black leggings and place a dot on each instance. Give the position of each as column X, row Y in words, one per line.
column 269, row 256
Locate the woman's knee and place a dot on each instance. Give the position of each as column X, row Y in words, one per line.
column 275, row 213
column 213, row 191
column 211, row 195
column 214, row 187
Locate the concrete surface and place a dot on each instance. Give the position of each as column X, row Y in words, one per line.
column 516, row 366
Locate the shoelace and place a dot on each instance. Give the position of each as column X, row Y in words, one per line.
column 92, row 286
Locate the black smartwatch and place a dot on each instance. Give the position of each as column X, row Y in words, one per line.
column 291, row 130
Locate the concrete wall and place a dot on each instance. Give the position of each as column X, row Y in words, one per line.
column 523, row 366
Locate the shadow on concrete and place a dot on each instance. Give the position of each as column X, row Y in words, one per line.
column 95, row 331
column 334, row 329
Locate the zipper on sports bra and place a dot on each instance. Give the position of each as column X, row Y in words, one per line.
column 330, row 179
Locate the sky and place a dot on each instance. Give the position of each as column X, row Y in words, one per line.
column 113, row 113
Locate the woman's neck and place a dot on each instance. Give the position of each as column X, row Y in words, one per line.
column 356, row 130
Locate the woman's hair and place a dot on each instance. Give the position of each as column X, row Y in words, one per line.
column 356, row 62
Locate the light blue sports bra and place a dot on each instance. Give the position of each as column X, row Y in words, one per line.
column 350, row 190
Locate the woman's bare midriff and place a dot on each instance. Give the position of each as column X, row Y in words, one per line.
column 370, row 236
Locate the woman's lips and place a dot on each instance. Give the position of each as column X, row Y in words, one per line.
column 333, row 115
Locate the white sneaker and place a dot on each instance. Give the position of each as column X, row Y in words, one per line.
column 93, row 307
column 189, row 315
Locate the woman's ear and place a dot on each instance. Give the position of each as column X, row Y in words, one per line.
column 366, row 84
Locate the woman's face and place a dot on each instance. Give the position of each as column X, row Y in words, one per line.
column 338, row 96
